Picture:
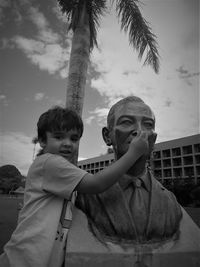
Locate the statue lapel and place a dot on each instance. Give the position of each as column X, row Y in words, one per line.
column 157, row 212
column 118, row 212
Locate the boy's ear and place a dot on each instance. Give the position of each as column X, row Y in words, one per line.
column 152, row 139
column 106, row 136
column 42, row 143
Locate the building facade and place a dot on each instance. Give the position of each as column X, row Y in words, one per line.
column 172, row 160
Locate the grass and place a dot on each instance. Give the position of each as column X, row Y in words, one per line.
column 9, row 214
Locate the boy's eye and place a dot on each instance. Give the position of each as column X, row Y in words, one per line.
column 58, row 136
column 75, row 138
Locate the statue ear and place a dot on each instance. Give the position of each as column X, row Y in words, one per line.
column 106, row 136
column 152, row 139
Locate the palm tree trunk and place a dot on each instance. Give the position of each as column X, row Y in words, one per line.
column 78, row 64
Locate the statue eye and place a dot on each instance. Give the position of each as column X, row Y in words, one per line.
column 126, row 122
column 149, row 124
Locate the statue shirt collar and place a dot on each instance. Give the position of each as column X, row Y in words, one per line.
column 126, row 180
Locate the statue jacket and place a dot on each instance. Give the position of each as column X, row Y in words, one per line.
column 109, row 217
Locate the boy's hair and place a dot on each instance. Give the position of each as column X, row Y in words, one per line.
column 58, row 119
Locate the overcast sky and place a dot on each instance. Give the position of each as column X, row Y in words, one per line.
column 34, row 55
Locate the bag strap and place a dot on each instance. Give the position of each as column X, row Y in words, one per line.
column 66, row 213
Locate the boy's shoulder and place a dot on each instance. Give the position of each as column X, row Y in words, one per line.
column 49, row 157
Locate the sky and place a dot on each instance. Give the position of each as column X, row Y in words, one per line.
column 34, row 55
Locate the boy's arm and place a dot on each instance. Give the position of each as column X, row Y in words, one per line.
column 93, row 184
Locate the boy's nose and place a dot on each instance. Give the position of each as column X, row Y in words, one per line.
column 67, row 142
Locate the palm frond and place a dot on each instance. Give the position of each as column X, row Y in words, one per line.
column 95, row 9
column 68, row 8
column 140, row 35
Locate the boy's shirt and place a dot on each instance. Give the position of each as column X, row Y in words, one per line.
column 51, row 178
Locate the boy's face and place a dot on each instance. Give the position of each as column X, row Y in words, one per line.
column 63, row 143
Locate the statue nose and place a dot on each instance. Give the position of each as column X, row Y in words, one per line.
column 134, row 133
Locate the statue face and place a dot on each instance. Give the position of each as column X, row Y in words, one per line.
column 130, row 119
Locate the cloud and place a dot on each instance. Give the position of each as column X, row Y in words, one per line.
column 52, row 101
column 46, row 48
column 175, row 107
column 184, row 73
column 168, row 103
column 99, row 114
column 3, row 100
column 39, row 96
column 50, row 57
column 129, row 72
column 16, row 149
column 4, row 4
column 61, row 17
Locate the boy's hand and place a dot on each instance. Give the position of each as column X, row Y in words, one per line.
column 140, row 144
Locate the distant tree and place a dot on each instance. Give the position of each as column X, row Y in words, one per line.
column 10, row 178
column 195, row 195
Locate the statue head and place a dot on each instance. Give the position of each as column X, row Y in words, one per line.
column 125, row 119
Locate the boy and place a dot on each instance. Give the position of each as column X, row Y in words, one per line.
column 52, row 178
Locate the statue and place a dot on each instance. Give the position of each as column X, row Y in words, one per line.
column 138, row 215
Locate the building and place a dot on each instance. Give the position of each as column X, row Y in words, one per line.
column 172, row 160
column 96, row 164
column 177, row 159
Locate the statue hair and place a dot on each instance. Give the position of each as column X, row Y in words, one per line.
column 124, row 101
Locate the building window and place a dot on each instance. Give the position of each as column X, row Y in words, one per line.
column 167, row 173
column 177, row 162
column 156, row 155
column 158, row 174
column 197, row 159
column 197, row 148
column 101, row 163
column 166, row 153
column 157, row 164
column 166, row 163
column 177, row 172
column 176, row 151
column 106, row 162
column 187, row 150
column 189, row 171
column 96, row 164
column 188, row 160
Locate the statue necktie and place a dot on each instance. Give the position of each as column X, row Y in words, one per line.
column 138, row 208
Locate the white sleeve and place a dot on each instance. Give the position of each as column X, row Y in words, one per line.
column 61, row 177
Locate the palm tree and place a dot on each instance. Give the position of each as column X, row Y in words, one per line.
column 83, row 17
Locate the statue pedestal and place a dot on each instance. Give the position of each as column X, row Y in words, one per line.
column 121, row 260
column 84, row 250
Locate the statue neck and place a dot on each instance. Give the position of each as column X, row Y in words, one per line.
column 139, row 167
